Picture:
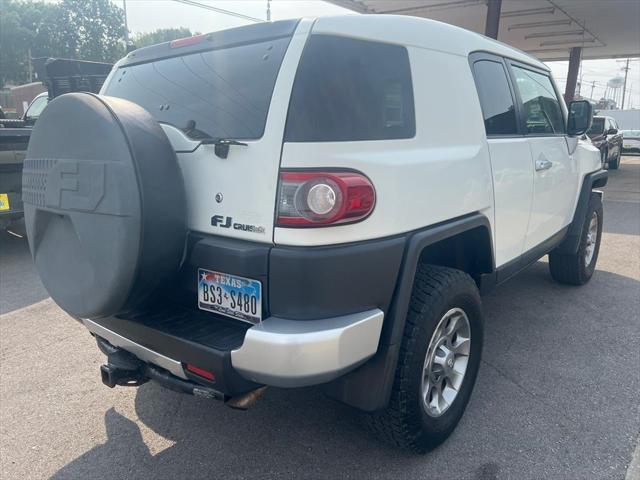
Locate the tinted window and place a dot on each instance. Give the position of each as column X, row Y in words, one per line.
column 36, row 107
column 495, row 98
column 597, row 126
column 348, row 89
column 223, row 93
column 541, row 107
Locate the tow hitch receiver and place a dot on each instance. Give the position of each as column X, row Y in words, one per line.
column 125, row 369
column 112, row 376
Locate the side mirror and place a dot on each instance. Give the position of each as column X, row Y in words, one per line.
column 580, row 117
column 612, row 131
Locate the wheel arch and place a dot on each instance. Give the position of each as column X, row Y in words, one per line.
column 369, row 386
column 464, row 243
column 572, row 240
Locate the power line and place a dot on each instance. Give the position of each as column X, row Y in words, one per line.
column 218, row 10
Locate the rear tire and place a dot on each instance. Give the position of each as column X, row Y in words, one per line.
column 578, row 268
column 615, row 163
column 445, row 308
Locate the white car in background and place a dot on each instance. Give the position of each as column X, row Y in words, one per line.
column 630, row 141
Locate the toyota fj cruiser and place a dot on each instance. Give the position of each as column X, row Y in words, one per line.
column 311, row 202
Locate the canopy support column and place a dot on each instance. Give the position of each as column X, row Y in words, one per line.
column 493, row 18
column 575, row 55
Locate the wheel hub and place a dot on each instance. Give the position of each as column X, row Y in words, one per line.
column 446, row 362
column 592, row 237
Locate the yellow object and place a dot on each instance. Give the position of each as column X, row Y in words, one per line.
column 4, row 202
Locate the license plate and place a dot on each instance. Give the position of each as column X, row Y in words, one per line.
column 4, row 202
column 627, row 146
column 230, row 295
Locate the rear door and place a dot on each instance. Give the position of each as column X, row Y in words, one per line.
column 555, row 170
column 233, row 85
column 510, row 156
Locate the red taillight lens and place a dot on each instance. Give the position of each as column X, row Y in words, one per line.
column 201, row 372
column 184, row 42
column 310, row 198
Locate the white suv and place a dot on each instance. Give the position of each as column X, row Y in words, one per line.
column 311, row 202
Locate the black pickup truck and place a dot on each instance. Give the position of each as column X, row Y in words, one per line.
column 60, row 76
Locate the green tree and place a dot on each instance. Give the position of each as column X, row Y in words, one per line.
column 93, row 29
column 159, row 36
column 82, row 29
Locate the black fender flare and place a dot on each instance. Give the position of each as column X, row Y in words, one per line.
column 369, row 386
column 571, row 242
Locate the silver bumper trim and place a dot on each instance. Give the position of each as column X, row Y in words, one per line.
column 296, row 353
column 143, row 353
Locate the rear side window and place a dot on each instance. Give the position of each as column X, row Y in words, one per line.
column 496, row 100
column 347, row 90
column 222, row 93
column 597, row 126
column 542, row 111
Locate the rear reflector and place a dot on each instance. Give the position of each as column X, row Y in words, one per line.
column 323, row 198
column 184, row 42
column 200, row 372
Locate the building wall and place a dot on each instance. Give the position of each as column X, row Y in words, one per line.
column 23, row 94
column 627, row 119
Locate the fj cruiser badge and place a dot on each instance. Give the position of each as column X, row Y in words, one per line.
column 227, row 222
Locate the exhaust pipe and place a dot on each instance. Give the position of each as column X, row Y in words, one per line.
column 243, row 402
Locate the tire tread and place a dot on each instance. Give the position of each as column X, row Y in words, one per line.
column 391, row 424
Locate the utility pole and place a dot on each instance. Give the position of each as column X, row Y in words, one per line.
column 593, row 85
column 624, row 86
column 126, row 25
column 30, row 64
column 268, row 10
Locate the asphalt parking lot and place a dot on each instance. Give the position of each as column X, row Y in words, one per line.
column 557, row 397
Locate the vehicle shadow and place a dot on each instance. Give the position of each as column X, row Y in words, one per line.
column 20, row 284
column 302, row 433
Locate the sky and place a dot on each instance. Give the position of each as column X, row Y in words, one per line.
column 149, row 15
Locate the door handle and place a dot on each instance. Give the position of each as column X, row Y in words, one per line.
column 543, row 164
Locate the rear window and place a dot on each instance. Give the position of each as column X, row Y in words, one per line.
column 347, row 90
column 220, row 93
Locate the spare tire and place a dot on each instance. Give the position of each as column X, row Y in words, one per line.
column 104, row 204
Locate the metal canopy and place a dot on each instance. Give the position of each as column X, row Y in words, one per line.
column 547, row 29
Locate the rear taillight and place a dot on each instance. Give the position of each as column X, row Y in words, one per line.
column 314, row 198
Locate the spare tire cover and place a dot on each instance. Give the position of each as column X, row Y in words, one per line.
column 104, row 204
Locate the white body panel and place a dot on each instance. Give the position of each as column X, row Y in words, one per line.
column 513, row 189
column 440, row 174
column 447, row 170
column 554, row 188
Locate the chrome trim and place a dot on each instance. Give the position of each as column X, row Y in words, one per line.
column 296, row 353
column 143, row 353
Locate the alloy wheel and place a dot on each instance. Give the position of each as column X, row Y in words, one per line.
column 446, row 362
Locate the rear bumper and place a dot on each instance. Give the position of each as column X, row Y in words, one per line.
column 277, row 352
column 290, row 353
